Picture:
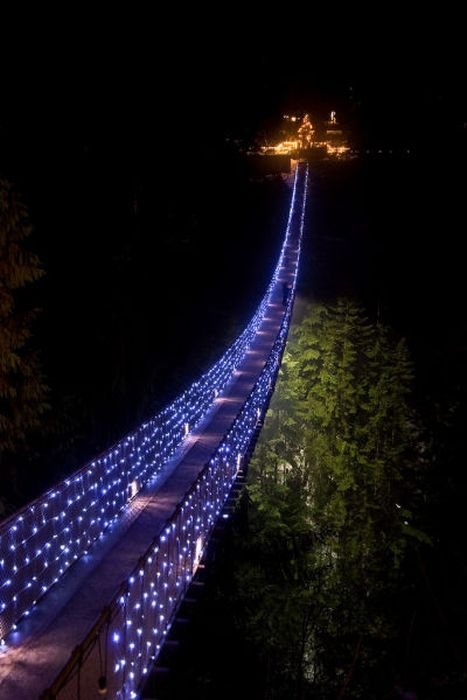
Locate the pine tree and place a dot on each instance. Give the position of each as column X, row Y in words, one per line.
column 22, row 388
column 333, row 484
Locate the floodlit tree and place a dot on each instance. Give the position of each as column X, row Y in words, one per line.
column 22, row 388
column 333, row 494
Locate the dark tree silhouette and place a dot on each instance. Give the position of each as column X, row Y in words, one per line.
column 22, row 388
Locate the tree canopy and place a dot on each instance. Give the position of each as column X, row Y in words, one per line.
column 333, row 490
column 22, row 387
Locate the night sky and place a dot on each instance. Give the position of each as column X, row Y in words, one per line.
column 69, row 78
column 205, row 74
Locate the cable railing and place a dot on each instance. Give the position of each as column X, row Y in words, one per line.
column 119, row 651
column 40, row 542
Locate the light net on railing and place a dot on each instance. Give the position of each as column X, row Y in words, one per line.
column 39, row 543
column 127, row 638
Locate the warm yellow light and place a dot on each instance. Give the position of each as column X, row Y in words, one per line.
column 282, row 148
column 336, row 150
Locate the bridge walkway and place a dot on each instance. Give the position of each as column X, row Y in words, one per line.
column 43, row 643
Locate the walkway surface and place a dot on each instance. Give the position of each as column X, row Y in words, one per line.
column 43, row 643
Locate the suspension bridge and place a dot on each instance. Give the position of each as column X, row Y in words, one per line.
column 93, row 572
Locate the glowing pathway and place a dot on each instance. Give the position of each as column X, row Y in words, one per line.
column 103, row 621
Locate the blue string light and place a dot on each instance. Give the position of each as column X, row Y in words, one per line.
column 172, row 559
column 39, row 543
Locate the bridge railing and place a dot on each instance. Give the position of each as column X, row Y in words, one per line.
column 127, row 637
column 40, row 542
column 129, row 634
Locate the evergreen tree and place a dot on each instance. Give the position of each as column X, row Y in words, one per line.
column 332, row 493
column 22, row 388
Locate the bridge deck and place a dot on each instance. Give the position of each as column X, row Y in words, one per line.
column 43, row 643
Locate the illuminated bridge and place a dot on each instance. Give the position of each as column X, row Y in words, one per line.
column 93, row 572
